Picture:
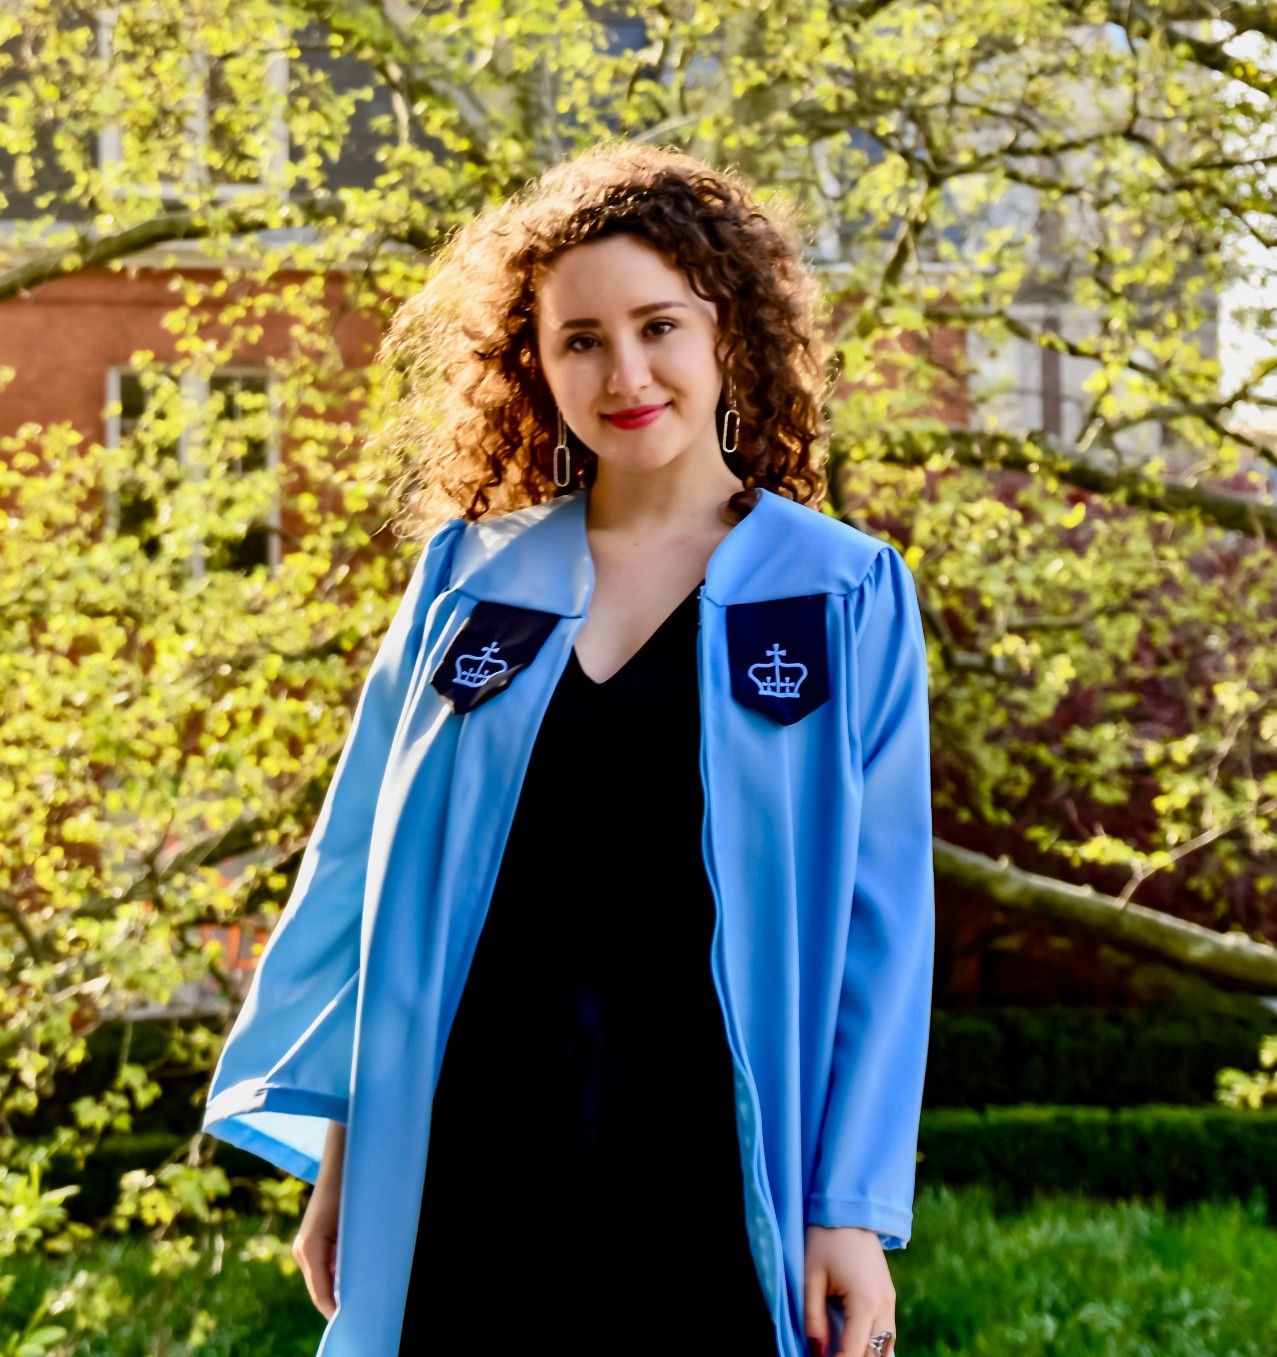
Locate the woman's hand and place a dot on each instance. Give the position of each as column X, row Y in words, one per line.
column 315, row 1247
column 847, row 1263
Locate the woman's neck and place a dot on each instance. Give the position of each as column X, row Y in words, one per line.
column 657, row 504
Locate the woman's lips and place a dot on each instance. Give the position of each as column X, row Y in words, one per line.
column 638, row 418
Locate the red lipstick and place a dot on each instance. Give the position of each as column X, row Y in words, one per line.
column 637, row 418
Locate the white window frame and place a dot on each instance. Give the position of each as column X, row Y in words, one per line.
column 111, row 137
column 195, row 392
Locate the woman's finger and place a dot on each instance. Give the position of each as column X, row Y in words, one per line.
column 815, row 1319
column 860, row 1326
column 855, row 1333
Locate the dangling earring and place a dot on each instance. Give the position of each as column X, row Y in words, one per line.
column 562, row 452
column 731, row 425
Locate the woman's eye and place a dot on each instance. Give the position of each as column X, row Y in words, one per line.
column 655, row 328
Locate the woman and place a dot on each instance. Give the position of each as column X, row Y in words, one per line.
column 598, row 1013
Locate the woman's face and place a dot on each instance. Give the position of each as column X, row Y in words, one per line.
column 628, row 351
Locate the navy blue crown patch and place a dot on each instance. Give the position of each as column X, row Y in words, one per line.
column 778, row 655
column 494, row 644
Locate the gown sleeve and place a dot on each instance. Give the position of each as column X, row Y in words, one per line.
column 864, row 1170
column 284, row 1071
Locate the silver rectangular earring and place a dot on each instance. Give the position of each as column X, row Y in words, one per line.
column 731, row 425
column 562, row 453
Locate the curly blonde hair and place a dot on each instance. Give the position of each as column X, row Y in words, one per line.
column 475, row 422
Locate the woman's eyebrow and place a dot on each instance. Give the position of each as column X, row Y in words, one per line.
column 638, row 311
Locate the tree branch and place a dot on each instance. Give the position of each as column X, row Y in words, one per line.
column 94, row 251
column 1139, row 20
column 397, row 59
column 242, row 835
column 13, row 911
column 1208, row 412
column 1038, row 451
column 1226, row 956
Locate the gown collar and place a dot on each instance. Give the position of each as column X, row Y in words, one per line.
column 539, row 557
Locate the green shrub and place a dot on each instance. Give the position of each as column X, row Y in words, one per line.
column 99, row 1179
column 1084, row 1056
column 1180, row 1154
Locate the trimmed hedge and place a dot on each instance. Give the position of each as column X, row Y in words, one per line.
column 1178, row 1154
column 1087, row 1056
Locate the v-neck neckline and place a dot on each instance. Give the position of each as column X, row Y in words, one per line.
column 660, row 627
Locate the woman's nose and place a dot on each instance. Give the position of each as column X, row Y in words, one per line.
column 628, row 372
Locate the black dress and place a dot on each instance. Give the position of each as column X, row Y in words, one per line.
column 583, row 1180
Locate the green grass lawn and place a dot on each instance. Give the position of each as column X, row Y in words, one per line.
column 1065, row 1277
column 1071, row 1277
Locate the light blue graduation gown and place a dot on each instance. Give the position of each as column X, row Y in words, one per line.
column 817, row 844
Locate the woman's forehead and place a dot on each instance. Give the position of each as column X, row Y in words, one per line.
column 613, row 276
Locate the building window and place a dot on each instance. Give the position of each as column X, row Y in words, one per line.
column 240, row 404
column 138, row 407
column 210, row 134
column 240, row 421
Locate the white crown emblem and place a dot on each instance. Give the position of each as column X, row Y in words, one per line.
column 776, row 679
column 473, row 671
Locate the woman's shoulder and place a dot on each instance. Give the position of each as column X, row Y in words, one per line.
column 522, row 555
column 832, row 550
column 491, row 532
